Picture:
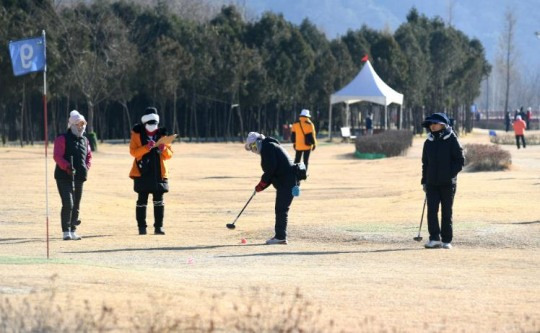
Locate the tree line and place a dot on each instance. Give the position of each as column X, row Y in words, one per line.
column 220, row 76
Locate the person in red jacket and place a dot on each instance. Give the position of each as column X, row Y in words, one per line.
column 519, row 130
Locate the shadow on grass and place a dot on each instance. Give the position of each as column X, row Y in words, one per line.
column 316, row 253
column 175, row 248
column 20, row 240
column 522, row 223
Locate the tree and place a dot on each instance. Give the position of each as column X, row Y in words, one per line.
column 507, row 55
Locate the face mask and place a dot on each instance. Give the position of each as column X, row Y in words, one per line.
column 151, row 127
column 78, row 130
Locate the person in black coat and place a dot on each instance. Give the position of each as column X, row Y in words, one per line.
column 442, row 160
column 73, row 158
column 278, row 171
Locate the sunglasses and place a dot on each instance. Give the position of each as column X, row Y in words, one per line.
column 152, row 122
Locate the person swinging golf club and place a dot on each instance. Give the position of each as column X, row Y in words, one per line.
column 442, row 160
column 278, row 171
column 149, row 170
column 73, row 158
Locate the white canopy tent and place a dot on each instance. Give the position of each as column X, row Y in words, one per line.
column 366, row 86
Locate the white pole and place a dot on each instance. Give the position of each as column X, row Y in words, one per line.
column 330, row 119
column 46, row 140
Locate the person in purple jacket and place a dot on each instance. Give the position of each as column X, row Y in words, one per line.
column 73, row 157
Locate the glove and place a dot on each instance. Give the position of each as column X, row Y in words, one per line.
column 454, row 181
column 161, row 148
column 150, row 144
column 424, row 187
column 313, row 148
column 261, row 186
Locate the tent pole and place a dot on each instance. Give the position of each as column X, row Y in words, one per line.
column 347, row 114
column 330, row 120
column 385, row 117
column 400, row 117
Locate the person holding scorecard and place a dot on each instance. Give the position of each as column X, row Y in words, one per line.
column 151, row 148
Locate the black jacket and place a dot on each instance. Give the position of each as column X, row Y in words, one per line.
column 442, row 158
column 276, row 164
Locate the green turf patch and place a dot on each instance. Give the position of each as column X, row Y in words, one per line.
column 368, row 156
column 31, row 261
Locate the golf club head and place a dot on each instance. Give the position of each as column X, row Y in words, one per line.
column 231, row 226
column 418, row 238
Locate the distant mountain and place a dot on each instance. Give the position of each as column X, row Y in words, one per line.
column 481, row 19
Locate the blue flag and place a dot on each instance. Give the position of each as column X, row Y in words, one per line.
column 28, row 55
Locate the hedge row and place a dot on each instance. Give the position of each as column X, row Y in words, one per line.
column 387, row 143
column 486, row 158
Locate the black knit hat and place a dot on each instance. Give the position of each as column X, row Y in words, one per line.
column 150, row 113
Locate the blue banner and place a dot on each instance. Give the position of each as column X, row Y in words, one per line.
column 28, row 55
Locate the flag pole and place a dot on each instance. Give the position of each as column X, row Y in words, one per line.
column 46, row 140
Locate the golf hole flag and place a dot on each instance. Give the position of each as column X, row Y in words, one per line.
column 27, row 55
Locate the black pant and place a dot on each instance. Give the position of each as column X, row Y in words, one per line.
column 522, row 140
column 70, row 202
column 298, row 156
column 443, row 195
column 159, row 209
column 284, row 199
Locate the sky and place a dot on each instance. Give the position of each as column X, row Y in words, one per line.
column 481, row 19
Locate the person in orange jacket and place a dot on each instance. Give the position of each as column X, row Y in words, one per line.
column 149, row 170
column 303, row 137
column 519, row 131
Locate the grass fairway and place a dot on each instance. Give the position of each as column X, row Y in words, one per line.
column 351, row 264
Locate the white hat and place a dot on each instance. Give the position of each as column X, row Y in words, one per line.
column 518, row 117
column 150, row 114
column 75, row 117
column 529, row 108
column 252, row 137
column 305, row 113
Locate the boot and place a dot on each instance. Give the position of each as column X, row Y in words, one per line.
column 140, row 213
column 159, row 211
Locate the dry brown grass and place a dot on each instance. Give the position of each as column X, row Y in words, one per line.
column 351, row 255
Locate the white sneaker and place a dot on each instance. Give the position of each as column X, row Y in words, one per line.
column 74, row 236
column 447, row 246
column 67, row 235
column 274, row 240
column 433, row 244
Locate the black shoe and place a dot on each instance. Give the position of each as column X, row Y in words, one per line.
column 142, row 231
column 159, row 231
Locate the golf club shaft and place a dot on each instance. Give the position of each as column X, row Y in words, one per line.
column 72, row 174
column 422, row 218
column 244, row 207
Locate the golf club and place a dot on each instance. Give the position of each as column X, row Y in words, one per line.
column 72, row 174
column 231, row 225
column 419, row 238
